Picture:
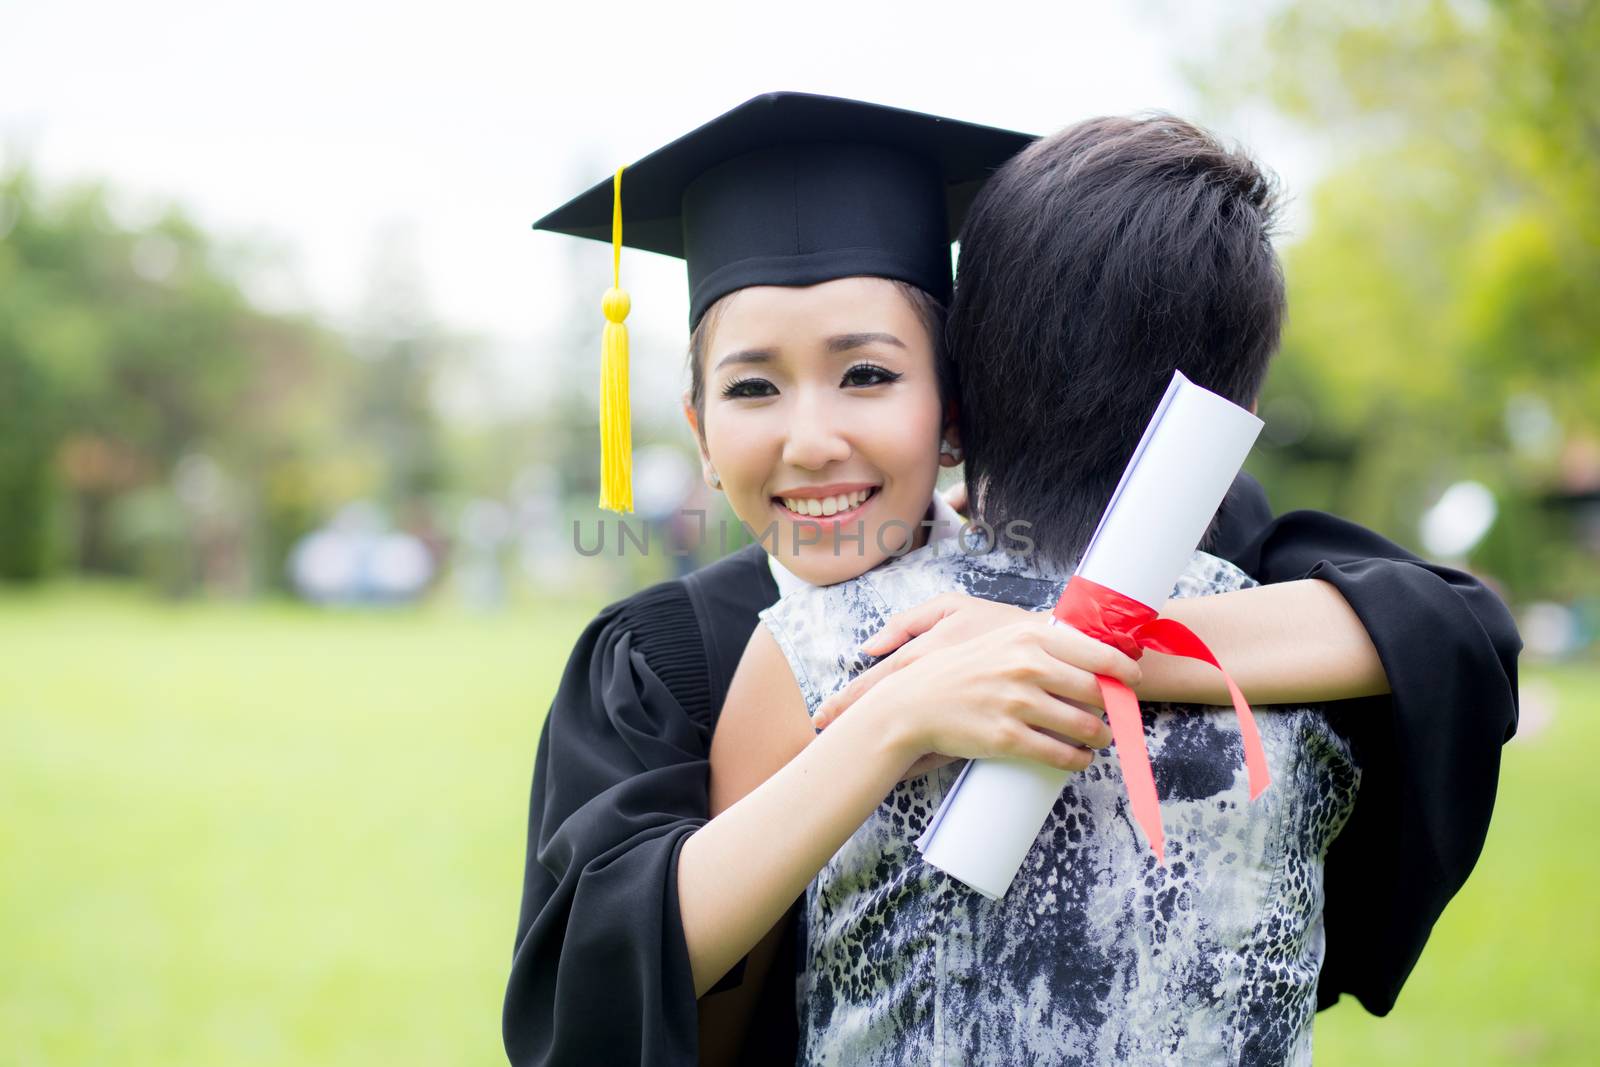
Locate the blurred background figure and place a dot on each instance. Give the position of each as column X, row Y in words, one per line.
column 485, row 530
column 355, row 559
column 666, row 479
column 542, row 548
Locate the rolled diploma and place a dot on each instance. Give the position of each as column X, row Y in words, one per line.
column 1190, row 452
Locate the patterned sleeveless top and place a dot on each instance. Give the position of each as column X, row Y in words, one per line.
column 1097, row 955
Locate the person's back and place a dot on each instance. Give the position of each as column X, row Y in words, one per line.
column 1097, row 954
column 1093, row 265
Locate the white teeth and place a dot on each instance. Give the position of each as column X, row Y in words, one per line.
column 829, row 505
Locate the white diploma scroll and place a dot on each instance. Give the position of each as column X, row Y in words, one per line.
column 1188, row 457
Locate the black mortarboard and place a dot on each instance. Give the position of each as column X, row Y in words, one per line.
column 795, row 189
column 786, row 189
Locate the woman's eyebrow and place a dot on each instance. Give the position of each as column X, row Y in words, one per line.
column 846, row 341
column 748, row 355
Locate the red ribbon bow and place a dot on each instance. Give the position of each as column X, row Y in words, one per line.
column 1132, row 628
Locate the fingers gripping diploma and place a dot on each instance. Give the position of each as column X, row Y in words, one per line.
column 994, row 666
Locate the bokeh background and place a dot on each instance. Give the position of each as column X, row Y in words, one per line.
column 296, row 417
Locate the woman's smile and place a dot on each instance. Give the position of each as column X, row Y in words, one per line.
column 824, row 505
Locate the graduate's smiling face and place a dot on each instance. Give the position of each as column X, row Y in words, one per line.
column 822, row 419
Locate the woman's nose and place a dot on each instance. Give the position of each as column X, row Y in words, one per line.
column 815, row 437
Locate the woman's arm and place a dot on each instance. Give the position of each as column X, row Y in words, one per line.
column 1293, row 643
column 740, row 872
column 763, row 725
column 1297, row 642
column 994, row 696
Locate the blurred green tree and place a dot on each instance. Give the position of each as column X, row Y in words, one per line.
column 1442, row 321
column 403, row 351
column 122, row 352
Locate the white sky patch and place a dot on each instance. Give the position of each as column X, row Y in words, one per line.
column 309, row 130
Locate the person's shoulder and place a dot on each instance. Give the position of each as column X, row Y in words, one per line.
column 811, row 607
column 820, row 630
column 978, row 569
column 919, row 575
column 690, row 629
column 1207, row 575
column 642, row 608
column 863, row 596
column 737, row 586
column 742, row 574
column 747, row 565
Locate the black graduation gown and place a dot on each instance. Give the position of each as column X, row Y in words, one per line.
column 600, row 972
column 1429, row 752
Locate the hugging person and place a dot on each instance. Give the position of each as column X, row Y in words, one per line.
column 820, row 228
column 1094, row 264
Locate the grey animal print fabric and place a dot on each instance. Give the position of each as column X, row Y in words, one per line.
column 1097, row 955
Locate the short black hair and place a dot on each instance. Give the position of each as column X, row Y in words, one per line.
column 1093, row 265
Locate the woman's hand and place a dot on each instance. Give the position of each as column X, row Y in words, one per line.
column 1003, row 693
column 951, row 619
column 1025, row 690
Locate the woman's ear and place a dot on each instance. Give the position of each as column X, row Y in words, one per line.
column 692, row 417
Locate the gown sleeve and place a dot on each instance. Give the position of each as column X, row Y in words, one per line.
column 1430, row 751
column 600, row 971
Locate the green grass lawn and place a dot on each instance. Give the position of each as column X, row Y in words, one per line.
column 269, row 834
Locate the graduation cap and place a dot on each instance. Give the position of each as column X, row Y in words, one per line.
column 785, row 189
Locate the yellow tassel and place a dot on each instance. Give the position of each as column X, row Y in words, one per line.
column 616, row 420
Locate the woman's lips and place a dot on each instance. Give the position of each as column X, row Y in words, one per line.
column 835, row 519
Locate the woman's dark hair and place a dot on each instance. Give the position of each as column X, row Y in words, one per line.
column 930, row 313
column 1092, row 266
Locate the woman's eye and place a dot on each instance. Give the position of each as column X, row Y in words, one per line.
column 869, row 374
column 744, row 388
